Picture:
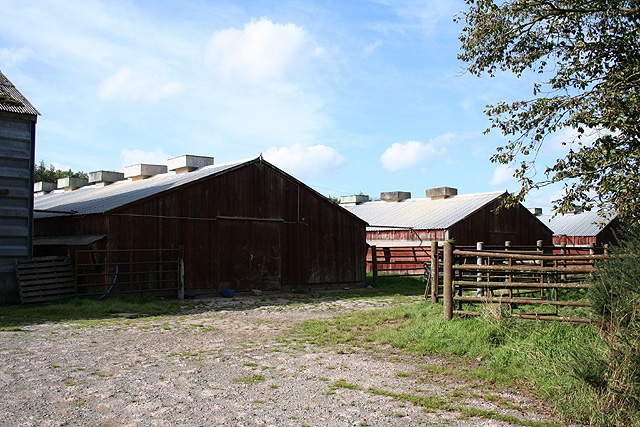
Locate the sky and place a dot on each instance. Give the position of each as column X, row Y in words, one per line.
column 348, row 96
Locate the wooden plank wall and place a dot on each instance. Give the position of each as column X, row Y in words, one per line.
column 45, row 279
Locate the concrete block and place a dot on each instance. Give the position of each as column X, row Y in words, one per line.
column 188, row 163
column 105, row 176
column 441, row 192
column 395, row 196
column 141, row 171
column 71, row 183
column 44, row 187
column 354, row 200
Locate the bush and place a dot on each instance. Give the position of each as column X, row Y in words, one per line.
column 614, row 374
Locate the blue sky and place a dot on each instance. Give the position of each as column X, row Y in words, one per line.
column 348, row 96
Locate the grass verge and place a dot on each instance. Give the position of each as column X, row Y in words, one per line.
column 86, row 309
column 511, row 352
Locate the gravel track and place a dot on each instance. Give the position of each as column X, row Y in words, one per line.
column 231, row 362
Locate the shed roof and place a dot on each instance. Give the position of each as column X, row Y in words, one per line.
column 12, row 101
column 92, row 199
column 424, row 213
column 579, row 224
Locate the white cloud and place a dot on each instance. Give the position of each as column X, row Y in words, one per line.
column 368, row 50
column 503, row 175
column 261, row 52
column 134, row 157
column 412, row 153
column 567, row 137
column 302, row 162
column 132, row 85
column 11, row 57
column 418, row 14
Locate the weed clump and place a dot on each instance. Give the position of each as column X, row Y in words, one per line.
column 613, row 374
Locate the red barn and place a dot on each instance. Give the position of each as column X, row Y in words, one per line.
column 399, row 220
column 582, row 229
column 244, row 225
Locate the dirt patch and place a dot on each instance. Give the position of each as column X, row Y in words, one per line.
column 233, row 362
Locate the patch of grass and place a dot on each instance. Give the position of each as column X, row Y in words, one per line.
column 493, row 415
column 428, row 402
column 79, row 309
column 508, row 352
column 250, row 364
column 401, row 374
column 253, row 379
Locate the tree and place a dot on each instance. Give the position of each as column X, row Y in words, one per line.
column 588, row 54
column 45, row 173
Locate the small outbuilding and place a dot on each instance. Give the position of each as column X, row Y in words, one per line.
column 17, row 145
column 581, row 229
column 398, row 220
column 244, row 225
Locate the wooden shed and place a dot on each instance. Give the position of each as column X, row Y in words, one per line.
column 17, row 145
column 581, row 229
column 244, row 225
column 399, row 220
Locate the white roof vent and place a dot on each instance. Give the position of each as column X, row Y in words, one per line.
column 187, row 163
column 536, row 211
column 102, row 178
column 395, row 196
column 441, row 192
column 353, row 200
column 42, row 187
column 71, row 183
column 143, row 171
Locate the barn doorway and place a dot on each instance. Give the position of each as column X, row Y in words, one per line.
column 249, row 254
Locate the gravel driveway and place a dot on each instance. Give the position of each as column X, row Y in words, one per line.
column 233, row 362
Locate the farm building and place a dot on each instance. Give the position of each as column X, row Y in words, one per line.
column 17, row 144
column 244, row 225
column 582, row 229
column 399, row 220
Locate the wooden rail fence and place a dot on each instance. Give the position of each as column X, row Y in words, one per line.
column 514, row 277
column 518, row 279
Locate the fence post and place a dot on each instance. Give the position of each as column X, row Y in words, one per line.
column 374, row 263
column 181, row 286
column 447, row 282
column 479, row 261
column 435, row 270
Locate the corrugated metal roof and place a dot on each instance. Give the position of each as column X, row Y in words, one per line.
column 12, row 101
column 422, row 214
column 92, row 199
column 581, row 224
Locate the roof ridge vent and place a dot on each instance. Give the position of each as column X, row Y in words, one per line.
column 41, row 188
column 440, row 193
column 188, row 163
column 395, row 196
column 143, row 171
column 103, row 178
column 354, row 200
column 71, row 183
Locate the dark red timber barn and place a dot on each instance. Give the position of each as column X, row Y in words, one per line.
column 580, row 229
column 399, row 220
column 243, row 226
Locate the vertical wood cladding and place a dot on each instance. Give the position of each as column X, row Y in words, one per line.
column 246, row 228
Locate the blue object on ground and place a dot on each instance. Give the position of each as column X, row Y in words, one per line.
column 227, row 293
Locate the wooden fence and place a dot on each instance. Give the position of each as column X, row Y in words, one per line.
column 45, row 279
column 515, row 277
